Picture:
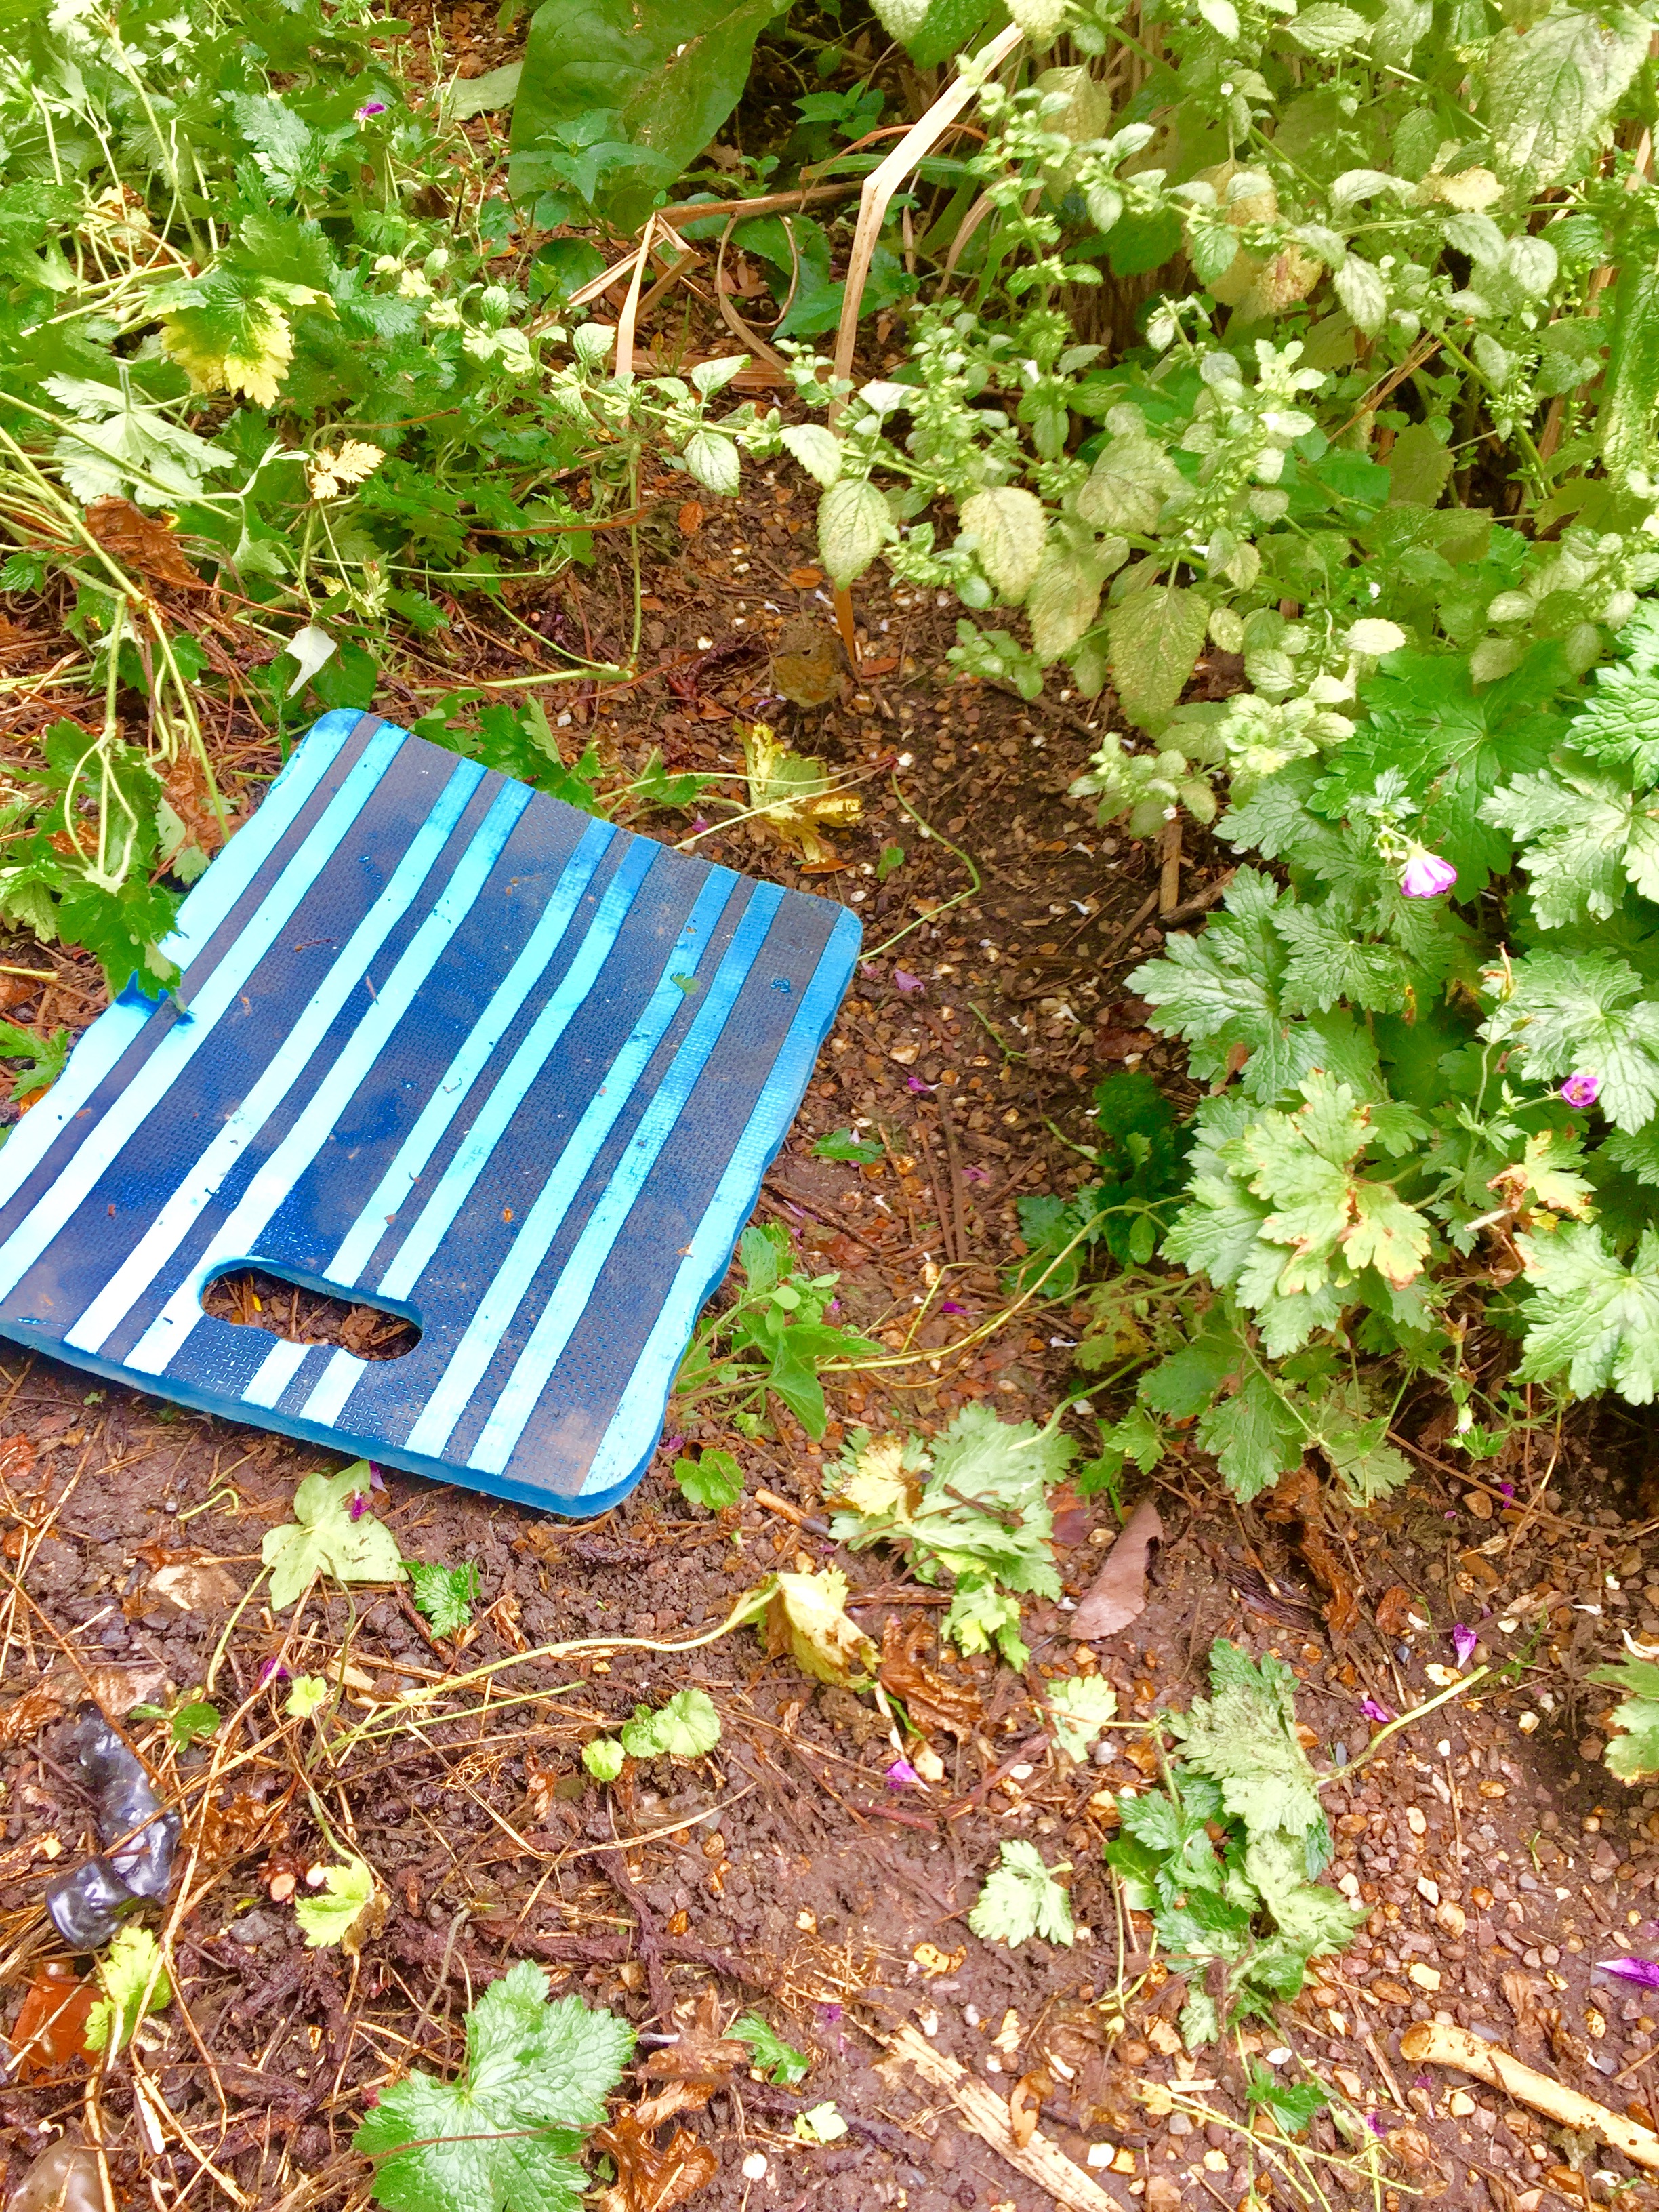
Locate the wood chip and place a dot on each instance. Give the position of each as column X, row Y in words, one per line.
column 984, row 2113
column 1436, row 2044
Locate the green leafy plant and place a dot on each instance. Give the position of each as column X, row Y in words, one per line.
column 1021, row 1898
column 773, row 1336
column 1292, row 2106
column 972, row 1505
column 1632, row 1753
column 309, row 1694
column 713, row 1479
column 332, row 1533
column 134, row 1982
column 507, row 2131
column 347, row 1893
column 1080, row 1707
column 1226, row 1856
column 191, row 1722
column 842, row 1144
column 685, row 1727
column 778, row 2061
column 444, row 1596
column 603, row 1758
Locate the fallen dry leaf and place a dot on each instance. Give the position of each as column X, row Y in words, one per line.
column 27, row 1715
column 649, row 2179
column 143, row 543
column 116, row 1690
column 806, row 579
column 1297, row 1499
column 539, row 1781
column 1118, row 1594
column 691, row 518
column 930, row 1701
column 51, row 2029
column 1394, row 1611
column 703, row 2053
column 191, row 1586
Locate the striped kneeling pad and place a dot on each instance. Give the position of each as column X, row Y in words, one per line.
column 447, row 1045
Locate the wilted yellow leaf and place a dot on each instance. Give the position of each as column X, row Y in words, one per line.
column 794, row 796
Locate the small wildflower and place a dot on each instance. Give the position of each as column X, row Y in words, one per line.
column 272, row 1671
column 1582, row 1088
column 370, row 107
column 1425, row 875
column 1463, row 1643
column 1507, row 1491
column 917, row 1088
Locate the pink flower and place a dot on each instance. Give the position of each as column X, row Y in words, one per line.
column 1582, row 1088
column 973, row 1173
column 1425, row 875
column 905, row 982
column 901, row 1775
column 1373, row 1711
column 1644, row 1971
column 1463, row 1643
column 272, row 1671
column 370, row 107
column 359, row 1505
column 949, row 1305
column 376, row 1480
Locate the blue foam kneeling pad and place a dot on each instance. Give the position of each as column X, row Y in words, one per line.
column 449, row 1046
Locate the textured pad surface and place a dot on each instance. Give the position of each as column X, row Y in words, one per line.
column 451, row 1045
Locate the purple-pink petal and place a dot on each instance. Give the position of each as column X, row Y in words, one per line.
column 973, row 1173
column 272, row 1671
column 1582, row 1088
column 1373, row 1711
column 359, row 1505
column 901, row 1775
column 916, row 1084
column 376, row 1480
column 949, row 1305
column 1463, row 1643
column 1425, row 875
column 371, row 107
column 1644, row 1971
column 905, row 982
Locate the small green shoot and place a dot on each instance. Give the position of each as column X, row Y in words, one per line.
column 1021, row 1898
column 309, row 1694
column 130, row 1966
column 685, row 1727
column 444, row 1596
column 842, row 1144
column 889, row 861
column 507, row 2131
column 714, row 1481
column 1292, row 2106
column 331, row 1532
column 778, row 2061
column 191, row 1722
column 1080, row 1708
column 347, row 1893
column 603, row 1758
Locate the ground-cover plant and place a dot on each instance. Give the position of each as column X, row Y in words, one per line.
column 1226, row 1856
column 1319, row 340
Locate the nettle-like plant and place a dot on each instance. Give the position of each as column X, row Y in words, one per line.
column 1327, row 337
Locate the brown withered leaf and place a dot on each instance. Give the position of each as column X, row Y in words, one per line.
column 1524, row 1998
column 1394, row 1611
column 26, row 1715
column 232, row 1825
column 189, row 1586
column 650, row 2179
column 1297, row 1499
column 143, row 543
column 539, row 1782
column 116, row 1690
column 929, row 1699
column 703, row 2053
column 1118, row 1594
column 51, row 2027
column 1416, row 2158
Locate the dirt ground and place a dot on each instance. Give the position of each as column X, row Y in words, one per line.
column 1500, row 1863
